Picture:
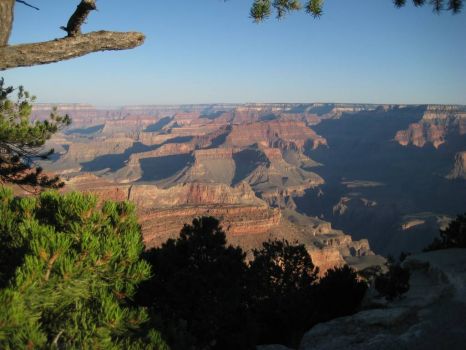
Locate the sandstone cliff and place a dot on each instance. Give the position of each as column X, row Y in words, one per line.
column 277, row 180
column 211, row 165
column 247, row 219
column 437, row 125
column 459, row 168
column 270, row 132
column 81, row 151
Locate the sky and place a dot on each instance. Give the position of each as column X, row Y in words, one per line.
column 210, row 51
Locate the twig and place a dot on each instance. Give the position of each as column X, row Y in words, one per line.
column 27, row 4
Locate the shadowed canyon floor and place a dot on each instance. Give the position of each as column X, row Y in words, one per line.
column 345, row 179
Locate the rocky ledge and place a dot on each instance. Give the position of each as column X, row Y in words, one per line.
column 431, row 315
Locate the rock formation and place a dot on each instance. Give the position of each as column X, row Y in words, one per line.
column 430, row 316
column 436, row 126
column 275, row 170
column 271, row 132
column 459, row 168
column 247, row 219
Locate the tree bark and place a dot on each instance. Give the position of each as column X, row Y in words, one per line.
column 25, row 55
column 6, row 20
column 73, row 28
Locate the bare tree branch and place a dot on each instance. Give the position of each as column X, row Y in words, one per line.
column 75, row 45
column 25, row 55
column 27, row 4
column 73, row 28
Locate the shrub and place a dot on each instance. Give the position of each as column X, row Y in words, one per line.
column 204, row 295
column 454, row 236
column 198, row 288
column 69, row 269
column 339, row 293
column 281, row 280
column 394, row 282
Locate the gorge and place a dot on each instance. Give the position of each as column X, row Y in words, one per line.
column 348, row 180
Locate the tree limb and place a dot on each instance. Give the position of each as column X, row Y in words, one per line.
column 6, row 20
column 73, row 28
column 25, row 55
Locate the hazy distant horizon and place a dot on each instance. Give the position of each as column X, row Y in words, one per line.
column 233, row 104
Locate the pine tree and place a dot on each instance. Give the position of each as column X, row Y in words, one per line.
column 198, row 288
column 22, row 141
column 71, row 269
column 281, row 281
column 339, row 293
column 262, row 9
column 454, row 236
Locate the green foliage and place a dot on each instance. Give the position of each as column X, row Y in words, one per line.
column 68, row 272
column 339, row 293
column 288, row 267
column 262, row 9
column 438, row 5
column 454, row 236
column 281, row 283
column 203, row 294
column 314, row 7
column 198, row 288
column 22, row 141
column 394, row 282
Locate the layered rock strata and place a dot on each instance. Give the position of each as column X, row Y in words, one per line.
column 437, row 124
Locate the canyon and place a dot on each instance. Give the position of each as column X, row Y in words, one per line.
column 350, row 181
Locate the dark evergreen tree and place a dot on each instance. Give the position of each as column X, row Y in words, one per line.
column 69, row 268
column 454, row 236
column 198, row 288
column 394, row 282
column 281, row 281
column 22, row 140
column 339, row 293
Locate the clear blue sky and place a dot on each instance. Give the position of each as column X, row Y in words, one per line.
column 206, row 51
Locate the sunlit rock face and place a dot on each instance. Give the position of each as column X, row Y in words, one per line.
column 459, row 168
column 246, row 219
column 437, row 126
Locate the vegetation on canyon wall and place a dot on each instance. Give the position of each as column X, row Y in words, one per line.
column 209, row 296
column 69, row 268
column 394, row 283
column 22, row 141
column 454, row 236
